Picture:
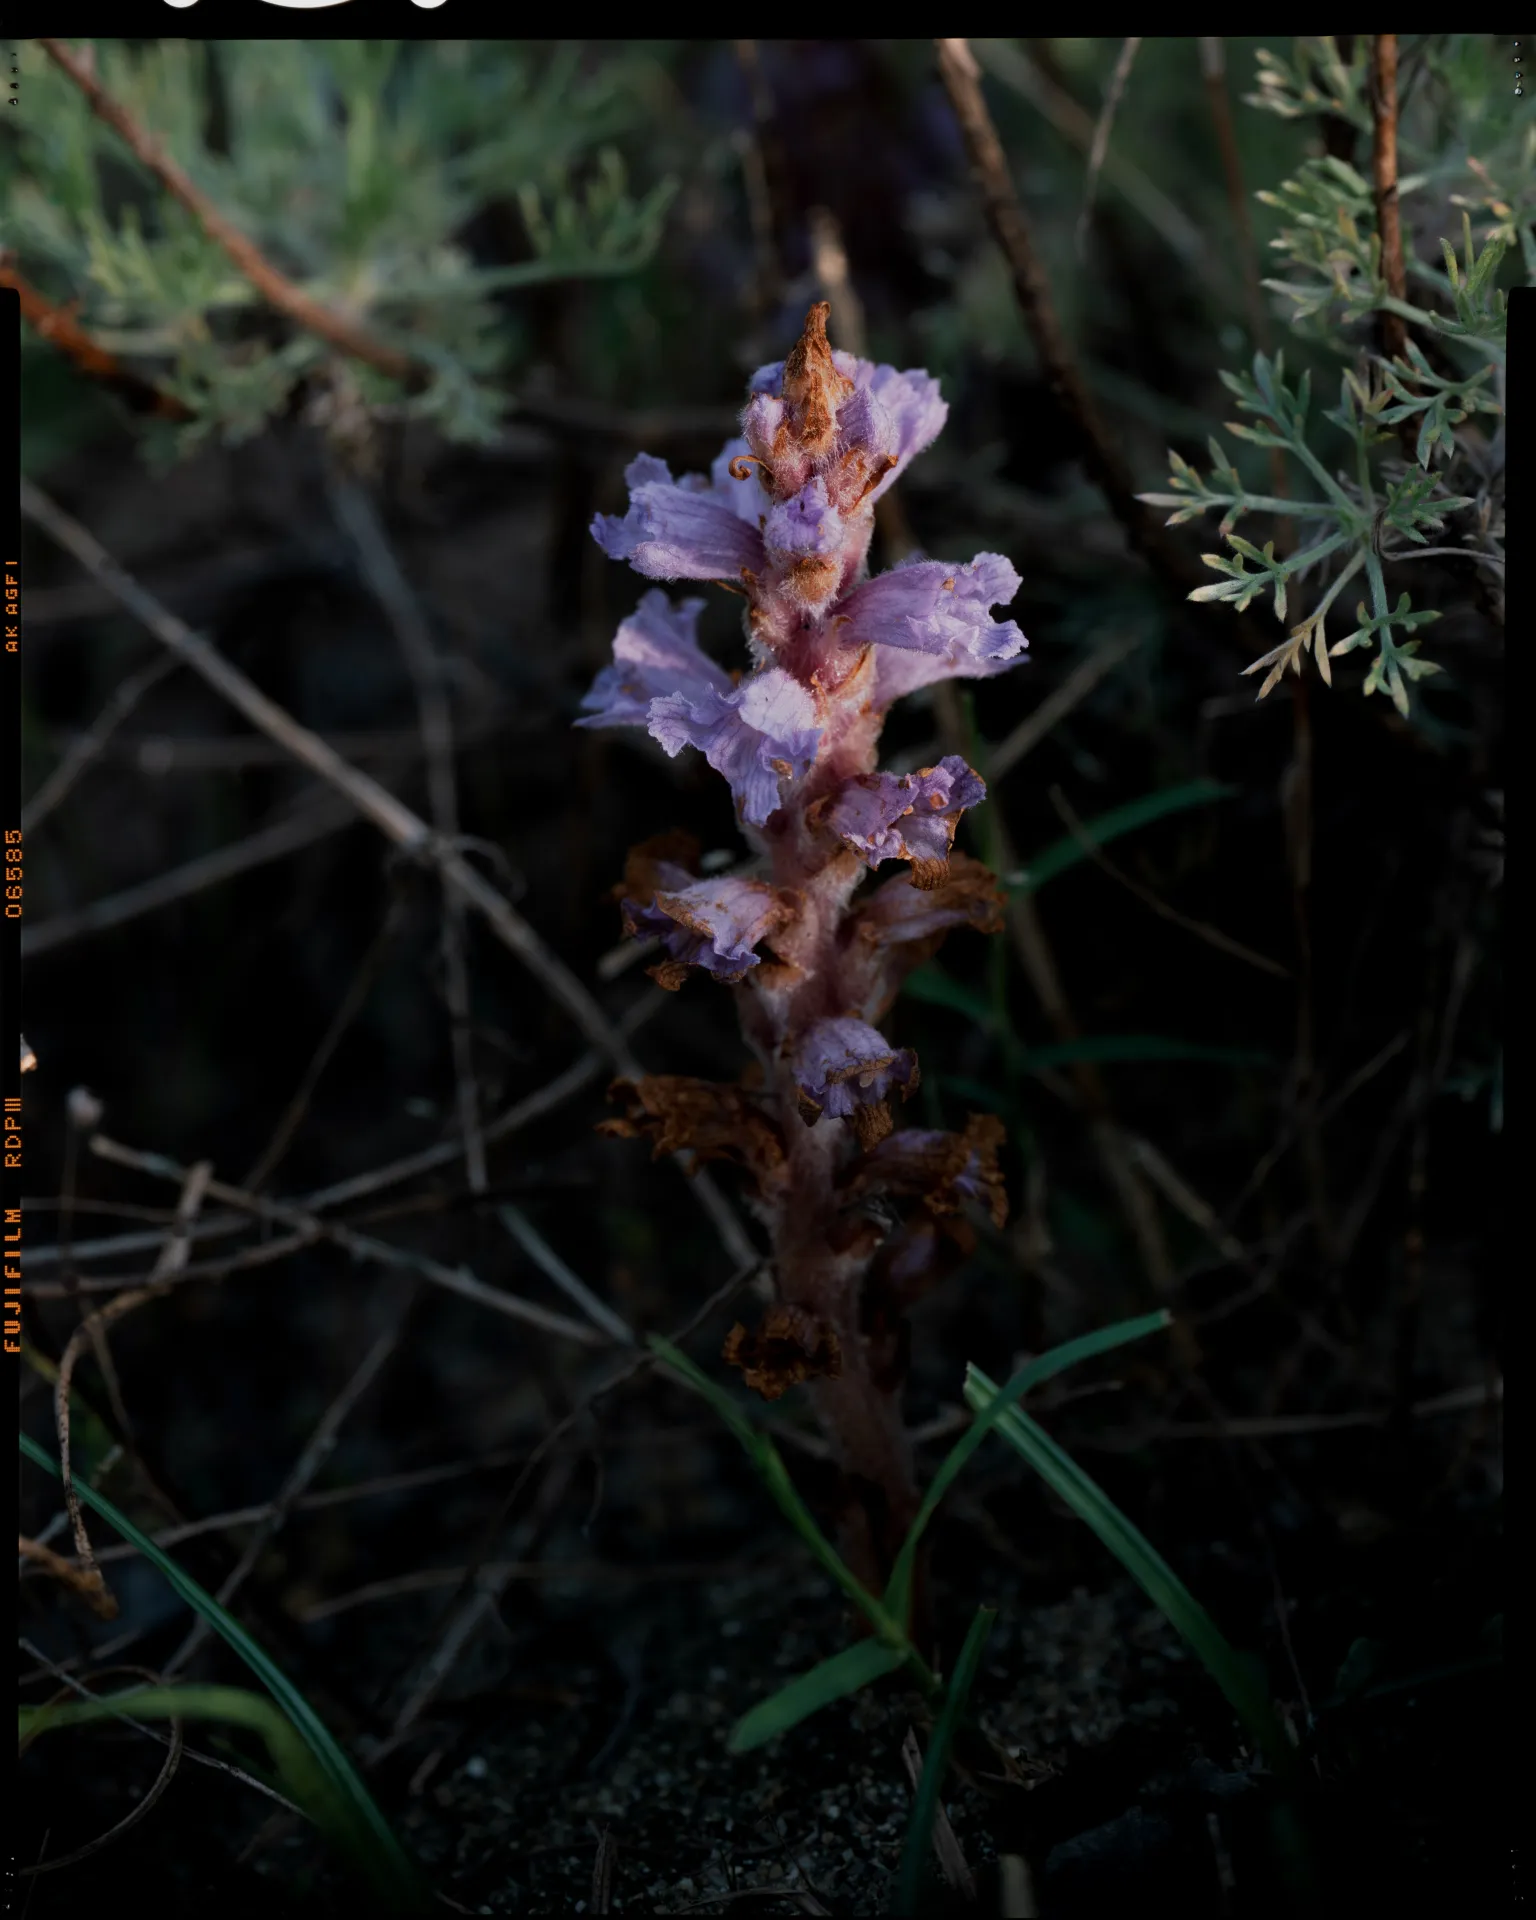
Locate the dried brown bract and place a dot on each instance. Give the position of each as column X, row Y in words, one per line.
column 679, row 1114
column 940, row 1169
column 789, row 1346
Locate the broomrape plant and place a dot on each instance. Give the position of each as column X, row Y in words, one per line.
column 814, row 955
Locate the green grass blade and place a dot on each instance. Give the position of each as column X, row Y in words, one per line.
column 932, row 985
column 898, row 1593
column 833, row 1679
column 1065, row 853
column 764, row 1455
column 1236, row 1675
column 378, row 1852
column 298, row 1774
column 925, row 1804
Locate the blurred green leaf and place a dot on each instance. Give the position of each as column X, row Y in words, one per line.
column 925, row 1804
column 898, row 1592
column 834, row 1679
column 1065, row 853
column 367, row 1836
column 1239, row 1676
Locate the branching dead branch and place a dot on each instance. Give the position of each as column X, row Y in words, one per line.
column 394, row 820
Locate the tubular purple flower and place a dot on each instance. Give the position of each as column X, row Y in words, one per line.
column 912, row 405
column 715, row 924
column 805, row 523
column 760, row 733
column 655, row 652
column 678, row 530
column 842, row 1065
column 928, row 607
column 905, row 816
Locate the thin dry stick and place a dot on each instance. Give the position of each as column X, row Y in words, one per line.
column 387, row 1483
column 456, row 1279
column 154, row 1733
column 163, row 754
column 433, row 1579
column 1113, row 94
column 1005, row 60
column 1213, row 66
column 487, row 1582
column 1361, row 1077
column 1194, row 1209
column 401, row 608
column 263, row 1255
column 522, row 1114
column 1278, row 1426
column 115, row 1832
column 1213, row 936
column 91, row 1590
column 1213, row 69
column 276, row 842
column 352, row 1000
column 173, row 1253
column 59, row 327
column 470, row 1600
column 1296, row 792
column 1011, row 229
column 83, row 750
column 392, row 818
column 1109, row 1141
column 1057, row 704
column 83, row 1115
column 543, row 1255
column 951, row 1856
column 275, row 288
column 1394, row 335
column 1411, row 1299
column 331, row 1039
column 321, row 1445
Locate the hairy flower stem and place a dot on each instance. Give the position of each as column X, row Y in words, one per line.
column 860, row 1411
column 788, row 511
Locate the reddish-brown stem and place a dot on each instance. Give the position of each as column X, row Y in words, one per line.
column 1011, row 229
column 61, row 329
column 274, row 287
column 1394, row 335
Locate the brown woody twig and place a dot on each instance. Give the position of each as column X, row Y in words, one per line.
column 59, row 327
column 392, row 817
column 1394, row 335
column 1011, row 229
column 346, row 335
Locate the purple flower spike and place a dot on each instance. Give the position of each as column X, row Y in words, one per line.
column 655, row 652
column 847, row 1070
column 906, row 816
column 714, row 924
column 758, row 734
column 679, row 530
